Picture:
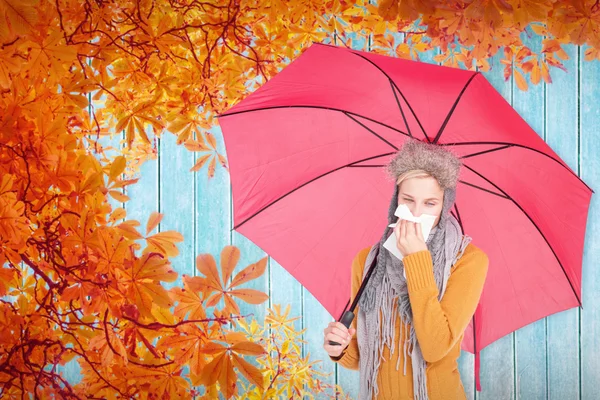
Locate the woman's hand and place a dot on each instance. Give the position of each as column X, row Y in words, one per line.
column 337, row 332
column 409, row 237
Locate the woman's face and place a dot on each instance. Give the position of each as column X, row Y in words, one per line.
column 422, row 196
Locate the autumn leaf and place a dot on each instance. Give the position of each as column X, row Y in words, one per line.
column 144, row 280
column 249, row 273
column 249, row 295
column 164, row 243
column 230, row 255
column 153, row 221
column 520, row 80
column 253, row 374
column 189, row 303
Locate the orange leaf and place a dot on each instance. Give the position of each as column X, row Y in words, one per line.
column 230, row 255
column 212, row 371
column 189, row 303
column 153, row 221
column 250, row 295
column 164, row 242
column 6, row 276
column 214, row 299
column 231, row 306
column 388, row 9
column 117, row 167
column 211, row 167
column 227, row 378
column 210, row 138
column 527, row 66
column 6, row 183
column 194, row 145
column 251, row 373
column 248, row 348
column 129, row 230
column 536, row 75
column 154, row 267
column 199, row 284
column 235, row 337
column 117, row 214
column 252, row 271
column 545, row 72
column 205, row 263
column 520, row 80
column 115, row 194
column 200, row 162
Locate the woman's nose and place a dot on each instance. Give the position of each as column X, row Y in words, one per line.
column 416, row 211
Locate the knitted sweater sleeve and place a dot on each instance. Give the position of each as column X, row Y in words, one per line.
column 350, row 356
column 440, row 324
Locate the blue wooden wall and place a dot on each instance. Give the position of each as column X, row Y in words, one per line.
column 555, row 358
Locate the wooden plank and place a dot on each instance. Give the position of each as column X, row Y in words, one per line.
column 347, row 379
column 213, row 220
column 561, row 135
column 177, row 201
column 497, row 359
column 530, row 341
column 589, row 126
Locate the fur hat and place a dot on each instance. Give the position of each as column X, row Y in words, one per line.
column 434, row 159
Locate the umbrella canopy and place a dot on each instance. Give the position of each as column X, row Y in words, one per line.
column 306, row 152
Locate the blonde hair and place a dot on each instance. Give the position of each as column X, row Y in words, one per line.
column 413, row 173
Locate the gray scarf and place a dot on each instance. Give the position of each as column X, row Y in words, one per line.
column 388, row 285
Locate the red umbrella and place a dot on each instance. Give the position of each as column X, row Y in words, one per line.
column 306, row 152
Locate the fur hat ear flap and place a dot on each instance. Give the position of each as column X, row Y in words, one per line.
column 434, row 159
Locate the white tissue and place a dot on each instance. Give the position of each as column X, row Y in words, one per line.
column 402, row 212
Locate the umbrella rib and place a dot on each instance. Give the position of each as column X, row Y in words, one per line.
column 507, row 145
column 306, row 183
column 484, row 189
column 370, row 130
column 317, row 107
column 400, row 107
column 458, row 218
column 487, row 151
column 534, row 224
column 439, row 134
column 399, row 91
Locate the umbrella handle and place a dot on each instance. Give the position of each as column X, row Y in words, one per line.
column 347, row 319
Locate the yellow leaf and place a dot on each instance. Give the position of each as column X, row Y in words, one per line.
column 250, row 295
column 117, row 167
column 92, row 182
column 153, row 221
column 122, row 123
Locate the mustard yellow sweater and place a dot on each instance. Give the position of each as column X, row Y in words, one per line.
column 439, row 325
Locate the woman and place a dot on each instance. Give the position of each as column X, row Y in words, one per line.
column 413, row 312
